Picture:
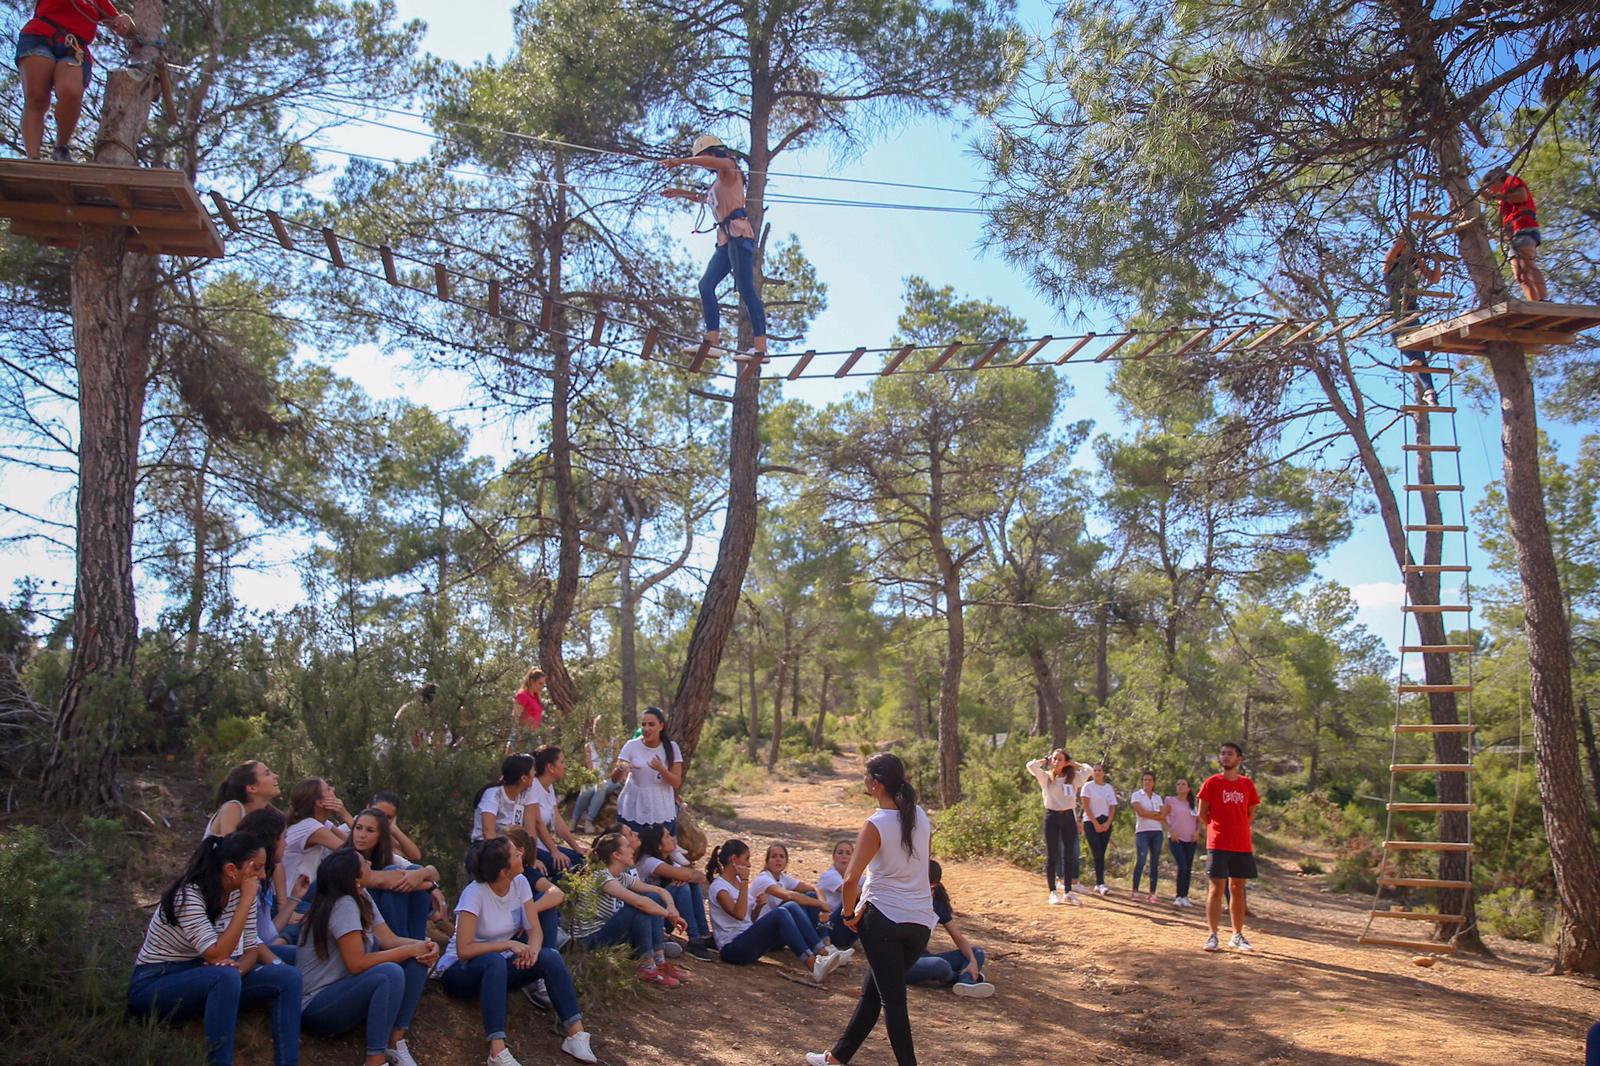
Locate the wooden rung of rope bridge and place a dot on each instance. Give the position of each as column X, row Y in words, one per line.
column 1435, row 649
column 1432, row 447
column 1421, row 916
column 1436, row 568
column 1435, row 527
column 1422, row 882
column 1430, row 947
column 1423, row 807
column 1435, row 608
column 1432, row 727
column 1426, row 845
column 1426, row 408
column 1434, row 371
column 1431, row 767
column 1429, row 487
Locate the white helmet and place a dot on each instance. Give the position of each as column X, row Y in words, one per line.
column 706, row 140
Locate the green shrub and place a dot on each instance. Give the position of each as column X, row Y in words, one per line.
column 998, row 816
column 1310, row 866
column 1354, row 873
column 1512, row 913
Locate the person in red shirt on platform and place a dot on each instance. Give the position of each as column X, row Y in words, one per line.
column 1519, row 222
column 529, row 709
column 53, row 55
column 1228, row 803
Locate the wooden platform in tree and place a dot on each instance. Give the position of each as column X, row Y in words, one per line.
column 1532, row 325
column 53, row 202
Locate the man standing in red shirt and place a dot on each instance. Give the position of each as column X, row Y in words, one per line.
column 1519, row 223
column 53, row 57
column 1228, row 803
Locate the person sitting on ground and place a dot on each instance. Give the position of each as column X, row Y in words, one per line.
column 654, row 768
column 601, row 751
column 248, row 787
column 1183, row 827
column 658, row 864
column 741, row 940
column 275, row 905
column 502, row 804
column 775, row 886
column 1148, row 831
column 736, row 238
column 53, row 57
column 1405, row 271
column 1098, row 801
column 313, row 832
column 960, row 970
column 527, row 712
column 1519, row 223
column 830, row 885
column 499, row 945
column 440, row 923
column 200, row 954
column 549, row 767
column 405, row 893
column 547, row 899
column 354, row 968
column 633, row 911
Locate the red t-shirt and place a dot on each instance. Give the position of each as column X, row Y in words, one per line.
column 1518, row 217
column 1228, row 828
column 532, row 708
column 69, row 16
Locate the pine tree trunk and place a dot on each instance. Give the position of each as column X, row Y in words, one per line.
column 777, row 696
column 1586, row 720
column 558, row 612
column 627, row 650
column 755, row 701
column 1102, row 658
column 1054, row 712
column 950, row 687
column 822, row 707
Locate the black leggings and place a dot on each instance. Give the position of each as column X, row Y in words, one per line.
column 1099, row 840
column 1060, row 847
column 891, row 948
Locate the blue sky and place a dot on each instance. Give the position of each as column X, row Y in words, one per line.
column 863, row 255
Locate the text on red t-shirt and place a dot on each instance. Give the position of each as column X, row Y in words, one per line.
column 1230, row 802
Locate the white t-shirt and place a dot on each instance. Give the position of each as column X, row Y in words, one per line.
column 1059, row 795
column 763, row 881
column 299, row 857
column 1098, row 799
column 646, row 798
column 546, row 798
column 831, row 884
column 724, row 926
column 499, row 917
column 1150, row 802
column 507, row 809
column 898, row 886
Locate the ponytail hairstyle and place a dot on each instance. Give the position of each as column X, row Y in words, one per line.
column 520, row 838
column 530, row 677
column 606, row 848
column 338, row 876
column 887, row 769
column 266, row 825
column 651, row 840
column 205, row 872
column 303, row 799
column 234, row 787
column 941, row 898
column 488, row 859
column 666, row 741
column 513, row 768
column 382, row 854
column 544, row 756
column 731, row 848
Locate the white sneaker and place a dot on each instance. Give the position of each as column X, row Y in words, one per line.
column 1054, row 897
column 1077, row 886
column 1074, row 899
column 577, row 1045
column 817, row 1058
column 1102, row 890
column 845, row 955
column 505, row 1058
column 1212, row 943
column 1238, row 943
column 400, row 1055
column 980, row 990
column 822, row 966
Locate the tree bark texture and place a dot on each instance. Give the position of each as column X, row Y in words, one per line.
column 822, row 707
column 1044, row 682
column 784, row 665
column 558, row 611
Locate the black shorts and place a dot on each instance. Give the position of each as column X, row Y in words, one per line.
column 1230, row 865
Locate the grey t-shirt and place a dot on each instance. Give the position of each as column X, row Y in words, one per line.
column 317, row 973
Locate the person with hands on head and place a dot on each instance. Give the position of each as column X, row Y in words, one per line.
column 318, row 823
column 741, row 938
column 1228, row 802
column 549, row 767
column 1058, row 775
column 275, row 905
column 250, row 786
column 499, row 946
column 960, row 970
column 1098, row 800
column 633, row 911
column 200, row 953
column 736, row 238
column 654, row 767
column 53, row 58
column 892, row 910
column 354, row 968
column 388, row 802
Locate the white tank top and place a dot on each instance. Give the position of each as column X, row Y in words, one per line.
column 897, row 881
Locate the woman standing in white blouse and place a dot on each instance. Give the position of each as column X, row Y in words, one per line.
column 654, row 766
column 1057, row 776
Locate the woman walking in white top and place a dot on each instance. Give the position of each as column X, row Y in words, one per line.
column 896, row 916
column 1057, row 776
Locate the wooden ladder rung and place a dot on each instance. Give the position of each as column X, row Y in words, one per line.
column 1425, row 408
column 1430, row 487
column 1425, row 845
column 1433, row 294
column 1433, row 688
column 1413, row 368
column 1431, row 768
column 1427, row 946
column 1431, row 727
column 1433, row 447
column 1435, row 608
column 1421, row 916
column 1442, row 649
column 1436, row 568
column 1421, row 882
column 1434, row 527
column 1439, row 808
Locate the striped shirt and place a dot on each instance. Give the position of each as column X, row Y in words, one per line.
column 194, row 933
column 607, row 905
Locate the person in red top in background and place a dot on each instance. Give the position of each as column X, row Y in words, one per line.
column 1519, row 221
column 530, row 709
column 53, row 55
column 1228, row 803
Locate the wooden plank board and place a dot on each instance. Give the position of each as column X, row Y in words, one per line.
column 1513, row 315
column 51, row 201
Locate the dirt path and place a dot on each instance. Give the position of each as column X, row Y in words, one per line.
column 1112, row 981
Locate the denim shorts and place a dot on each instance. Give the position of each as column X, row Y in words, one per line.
column 1527, row 238
column 37, row 44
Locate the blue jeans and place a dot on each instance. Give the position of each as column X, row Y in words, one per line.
column 646, row 932
column 773, row 930
column 405, row 913
column 385, row 997
column 1147, row 845
column 174, row 991
column 544, row 856
column 1592, row 1053
column 1183, row 855
column 839, row 934
column 806, row 919
column 491, row 977
column 592, row 800
column 944, row 968
column 690, row 899
column 737, row 257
